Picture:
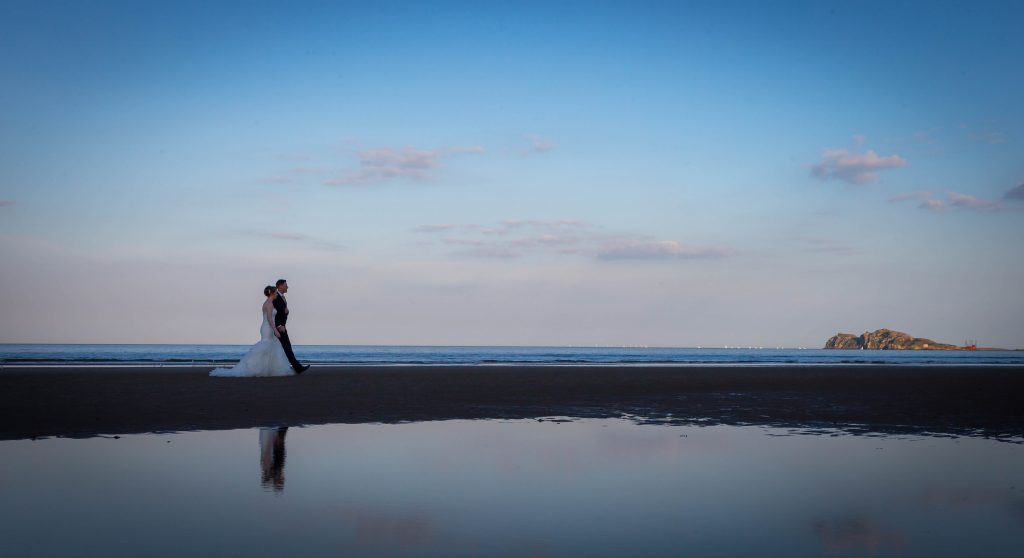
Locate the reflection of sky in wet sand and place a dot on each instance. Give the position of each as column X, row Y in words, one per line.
column 856, row 534
column 512, row 488
column 379, row 527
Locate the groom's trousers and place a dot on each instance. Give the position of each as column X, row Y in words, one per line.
column 287, row 344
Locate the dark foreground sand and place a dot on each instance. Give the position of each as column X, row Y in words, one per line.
column 940, row 400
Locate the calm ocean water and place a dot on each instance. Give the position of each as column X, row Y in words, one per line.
column 203, row 355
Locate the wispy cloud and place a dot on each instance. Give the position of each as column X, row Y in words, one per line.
column 310, row 241
column 488, row 253
column 306, row 170
column 921, row 195
column 953, row 200
column 855, row 168
column 1014, row 194
column 434, row 228
column 993, row 137
column 545, row 241
column 932, row 205
column 970, row 202
column 659, row 250
column 820, row 245
column 384, row 164
column 294, row 238
column 538, row 145
column 6, row 203
column 505, row 227
column 506, row 239
column 984, row 132
column 931, row 141
column 560, row 224
column 472, row 248
column 292, row 175
column 277, row 179
column 567, row 237
column 860, row 139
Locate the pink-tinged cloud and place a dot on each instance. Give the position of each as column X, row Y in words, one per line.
column 507, row 227
column 855, row 168
column 514, row 238
column 513, row 248
column 546, row 241
column 658, row 250
column 970, row 202
column 1016, row 194
column 958, row 201
column 859, row 139
column 462, row 149
column 953, row 201
column 932, row 205
column 384, row 164
column 6, row 203
column 922, row 195
column 519, row 226
column 433, row 228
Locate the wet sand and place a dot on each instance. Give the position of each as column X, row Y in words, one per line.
column 977, row 401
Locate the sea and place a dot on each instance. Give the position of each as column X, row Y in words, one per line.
column 383, row 355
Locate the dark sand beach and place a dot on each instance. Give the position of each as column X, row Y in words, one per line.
column 978, row 401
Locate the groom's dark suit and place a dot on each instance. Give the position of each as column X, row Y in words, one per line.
column 281, row 305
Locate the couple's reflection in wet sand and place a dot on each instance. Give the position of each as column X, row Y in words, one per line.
column 272, row 458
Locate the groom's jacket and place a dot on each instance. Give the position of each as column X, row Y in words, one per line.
column 282, row 311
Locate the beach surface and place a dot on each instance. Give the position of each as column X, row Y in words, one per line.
column 89, row 401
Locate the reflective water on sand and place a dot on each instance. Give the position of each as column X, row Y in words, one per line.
column 511, row 488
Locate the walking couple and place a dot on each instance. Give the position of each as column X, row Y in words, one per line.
column 272, row 355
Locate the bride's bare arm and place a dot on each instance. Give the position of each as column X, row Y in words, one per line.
column 268, row 311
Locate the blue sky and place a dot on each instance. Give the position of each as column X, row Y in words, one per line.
column 448, row 173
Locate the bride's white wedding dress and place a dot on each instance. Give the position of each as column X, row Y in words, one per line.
column 265, row 358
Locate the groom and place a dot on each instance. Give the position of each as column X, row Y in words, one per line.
column 281, row 305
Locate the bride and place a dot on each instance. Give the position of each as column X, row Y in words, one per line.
column 265, row 358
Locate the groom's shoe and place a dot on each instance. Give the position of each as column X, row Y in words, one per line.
column 302, row 369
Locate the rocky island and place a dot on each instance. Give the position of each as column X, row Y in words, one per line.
column 886, row 339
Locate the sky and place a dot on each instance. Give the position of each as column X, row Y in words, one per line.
column 432, row 173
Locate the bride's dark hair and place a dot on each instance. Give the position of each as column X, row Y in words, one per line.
column 268, row 289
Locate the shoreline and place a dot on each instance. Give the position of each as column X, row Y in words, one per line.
column 954, row 400
column 173, row 366
column 141, row 368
